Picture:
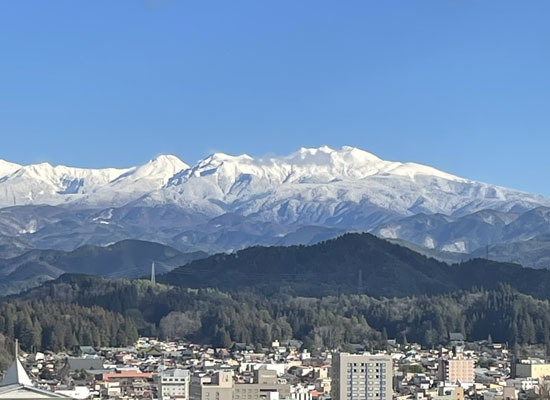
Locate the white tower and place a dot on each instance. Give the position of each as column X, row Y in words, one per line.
column 153, row 278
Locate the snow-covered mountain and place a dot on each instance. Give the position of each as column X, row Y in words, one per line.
column 7, row 168
column 347, row 187
column 56, row 185
column 224, row 203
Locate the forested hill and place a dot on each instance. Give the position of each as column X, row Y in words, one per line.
column 260, row 294
column 222, row 318
column 352, row 264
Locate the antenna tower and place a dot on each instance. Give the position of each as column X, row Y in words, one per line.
column 153, row 275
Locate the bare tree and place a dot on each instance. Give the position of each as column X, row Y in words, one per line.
column 180, row 325
column 544, row 389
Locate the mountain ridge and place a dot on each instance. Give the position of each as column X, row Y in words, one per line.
column 226, row 203
column 352, row 264
column 127, row 258
column 322, row 182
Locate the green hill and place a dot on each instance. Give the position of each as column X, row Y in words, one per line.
column 352, row 264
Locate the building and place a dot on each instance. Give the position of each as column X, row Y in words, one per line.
column 128, row 383
column 456, row 370
column 265, row 387
column 216, row 387
column 174, row 384
column 77, row 364
column 532, row 368
column 357, row 377
column 449, row 393
column 16, row 384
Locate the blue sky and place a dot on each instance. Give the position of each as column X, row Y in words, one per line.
column 461, row 85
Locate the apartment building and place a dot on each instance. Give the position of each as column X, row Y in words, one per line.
column 174, row 384
column 361, row 376
column 457, row 370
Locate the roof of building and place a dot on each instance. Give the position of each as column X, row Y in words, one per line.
column 85, row 363
column 16, row 374
column 456, row 337
column 19, row 391
column 87, row 350
column 127, row 374
column 176, row 373
column 17, row 384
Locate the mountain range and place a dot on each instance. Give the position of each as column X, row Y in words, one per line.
column 352, row 264
column 224, row 203
column 320, row 185
column 128, row 258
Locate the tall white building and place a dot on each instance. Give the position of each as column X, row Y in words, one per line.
column 174, row 384
column 361, row 377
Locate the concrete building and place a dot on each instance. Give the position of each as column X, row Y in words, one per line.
column 174, row 384
column 532, row 368
column 449, row 393
column 264, row 387
column 357, row 377
column 220, row 386
column 457, row 370
column 216, row 387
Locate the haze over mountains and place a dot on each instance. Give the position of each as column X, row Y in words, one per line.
column 225, row 203
column 127, row 258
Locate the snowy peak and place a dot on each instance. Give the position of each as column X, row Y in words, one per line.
column 48, row 173
column 7, row 168
column 307, row 165
column 159, row 169
column 46, row 184
column 326, row 155
column 163, row 167
column 217, row 159
column 312, row 185
column 316, row 184
column 167, row 163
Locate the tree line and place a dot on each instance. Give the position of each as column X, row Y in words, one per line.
column 78, row 309
column 58, row 326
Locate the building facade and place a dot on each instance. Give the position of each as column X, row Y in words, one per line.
column 367, row 377
column 220, row 386
column 532, row 369
column 217, row 387
column 457, row 370
column 265, row 387
column 174, row 384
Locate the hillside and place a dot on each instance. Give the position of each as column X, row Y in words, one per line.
column 128, row 258
column 353, row 263
column 353, row 289
column 534, row 253
column 221, row 318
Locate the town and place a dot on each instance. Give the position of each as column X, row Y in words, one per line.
column 154, row 369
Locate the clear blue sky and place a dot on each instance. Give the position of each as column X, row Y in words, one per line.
column 462, row 85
